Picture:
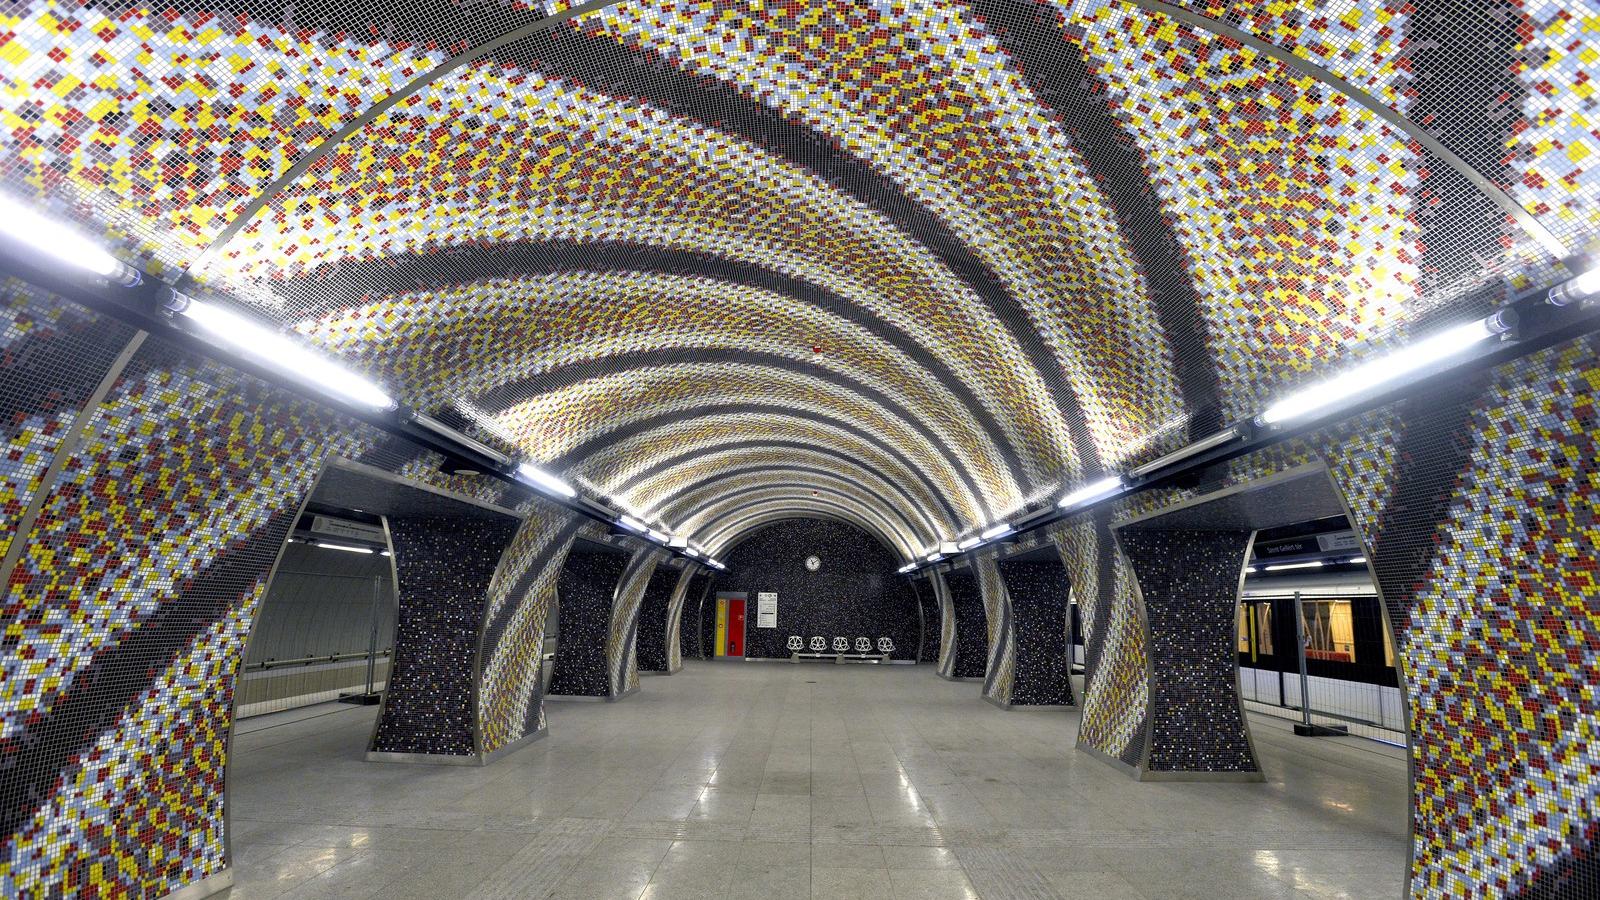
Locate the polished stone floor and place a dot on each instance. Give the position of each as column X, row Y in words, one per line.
column 821, row 781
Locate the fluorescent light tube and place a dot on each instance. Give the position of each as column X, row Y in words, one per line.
column 1376, row 373
column 655, row 535
column 1359, row 560
column 969, row 543
column 906, row 568
column 632, row 524
column 540, row 478
column 948, row 547
column 61, row 243
column 1578, row 289
column 1091, row 492
column 994, row 531
column 1284, row 567
column 933, row 557
column 1183, row 453
column 690, row 551
column 257, row 341
column 678, row 542
column 345, row 547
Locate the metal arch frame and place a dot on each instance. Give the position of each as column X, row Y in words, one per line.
column 671, row 464
column 671, row 498
column 790, row 508
column 906, row 529
column 305, row 163
column 615, row 444
column 835, row 499
column 1507, row 204
column 937, row 445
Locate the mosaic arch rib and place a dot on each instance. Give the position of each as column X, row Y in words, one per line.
column 773, row 510
column 562, row 420
column 356, row 283
column 763, row 484
column 664, row 477
column 631, row 453
column 853, row 477
column 749, row 205
column 712, row 522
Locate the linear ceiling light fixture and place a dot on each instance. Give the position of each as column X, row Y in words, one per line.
column 969, row 543
column 632, row 524
column 906, row 568
column 1225, row 436
column 539, row 478
column 1092, row 492
column 345, row 547
column 1386, row 370
column 999, row 529
column 1581, row 290
column 246, row 337
column 1284, row 567
column 62, row 243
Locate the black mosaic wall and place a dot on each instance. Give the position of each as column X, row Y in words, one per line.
column 1189, row 581
column 1038, row 591
column 443, row 566
column 651, row 641
column 586, row 591
column 972, row 627
column 853, row 593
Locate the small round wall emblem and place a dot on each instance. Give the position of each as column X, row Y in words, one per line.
column 813, row 564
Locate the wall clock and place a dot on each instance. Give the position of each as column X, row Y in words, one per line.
column 813, row 564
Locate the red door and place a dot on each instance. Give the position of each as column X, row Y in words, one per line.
column 735, row 627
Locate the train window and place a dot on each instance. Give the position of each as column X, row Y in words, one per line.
column 1330, row 630
column 1255, row 626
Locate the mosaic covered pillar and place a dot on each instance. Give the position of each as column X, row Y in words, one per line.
column 511, row 647
column 691, row 586
column 142, row 529
column 1037, row 592
column 622, row 662
column 1188, row 582
column 971, row 644
column 665, row 588
column 1481, row 511
column 1000, row 666
column 1116, row 687
column 443, row 569
column 947, row 623
column 587, row 591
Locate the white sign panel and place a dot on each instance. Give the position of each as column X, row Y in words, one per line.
column 1338, row 540
column 766, row 610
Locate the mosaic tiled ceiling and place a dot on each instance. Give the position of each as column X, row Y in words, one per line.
column 913, row 265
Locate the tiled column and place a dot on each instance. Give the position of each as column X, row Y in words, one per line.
column 1189, row 583
column 443, row 568
column 1037, row 592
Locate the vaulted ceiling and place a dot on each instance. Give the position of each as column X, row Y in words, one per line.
column 913, row 265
